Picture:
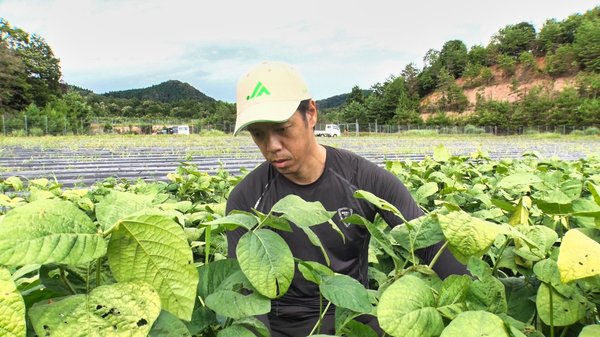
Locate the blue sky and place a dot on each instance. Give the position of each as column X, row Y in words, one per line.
column 108, row 45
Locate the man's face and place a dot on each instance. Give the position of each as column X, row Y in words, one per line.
column 286, row 145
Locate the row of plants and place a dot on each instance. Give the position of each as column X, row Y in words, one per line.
column 136, row 258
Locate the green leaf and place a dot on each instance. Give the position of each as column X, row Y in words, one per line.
column 121, row 309
column 468, row 236
column 49, row 231
column 476, row 324
column 267, row 261
column 487, row 294
column 595, row 191
column 565, row 310
column 235, row 305
column 302, row 213
column 235, row 331
column 314, row 271
column 168, row 325
column 425, row 191
column 518, row 179
column 378, row 202
column 234, row 220
column 518, row 298
column 554, row 202
column 407, row 308
column 118, row 205
column 211, row 276
column 579, row 257
column 154, row 249
column 346, row 292
column 452, row 295
column 590, row 331
column 12, row 307
column 543, row 239
column 418, row 233
column 441, row 153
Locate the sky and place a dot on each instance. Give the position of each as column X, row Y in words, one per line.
column 111, row 45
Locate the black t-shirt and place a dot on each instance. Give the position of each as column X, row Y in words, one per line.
column 345, row 172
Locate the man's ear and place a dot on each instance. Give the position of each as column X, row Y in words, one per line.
column 312, row 113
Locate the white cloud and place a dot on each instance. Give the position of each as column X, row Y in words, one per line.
column 115, row 45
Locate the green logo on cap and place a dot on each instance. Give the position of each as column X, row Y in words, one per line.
column 259, row 90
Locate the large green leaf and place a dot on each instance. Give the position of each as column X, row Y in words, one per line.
column 519, row 294
column 451, row 301
column 167, row 325
column 378, row 202
column 121, row 309
column 543, row 239
column 518, row 179
column 49, row 231
column 267, row 261
column 418, row 233
column 118, row 205
column 468, row 236
column 346, row 292
column 235, row 331
column 12, row 307
column 234, row 220
column 590, row 331
column 211, row 276
column 235, row 305
column 566, row 310
column 407, row 309
column 314, row 271
column 154, row 249
column 425, row 191
column 476, row 324
column 441, row 153
column 302, row 213
column 487, row 294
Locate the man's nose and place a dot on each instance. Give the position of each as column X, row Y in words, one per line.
column 273, row 142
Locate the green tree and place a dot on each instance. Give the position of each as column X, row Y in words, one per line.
column 454, row 57
column 587, row 45
column 411, row 80
column 41, row 67
column 512, row 40
column 356, row 95
column 527, row 61
column 508, row 64
column 14, row 89
column 478, row 55
column 562, row 62
column 355, row 111
column 550, row 37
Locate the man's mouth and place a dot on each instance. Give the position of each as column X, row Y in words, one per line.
column 280, row 163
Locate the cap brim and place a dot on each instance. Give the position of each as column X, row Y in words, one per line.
column 274, row 112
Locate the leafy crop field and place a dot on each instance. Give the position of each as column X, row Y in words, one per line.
column 82, row 161
column 147, row 258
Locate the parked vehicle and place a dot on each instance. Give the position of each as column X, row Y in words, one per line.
column 331, row 130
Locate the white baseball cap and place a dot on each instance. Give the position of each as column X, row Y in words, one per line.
column 269, row 92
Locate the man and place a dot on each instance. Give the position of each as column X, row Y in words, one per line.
column 274, row 105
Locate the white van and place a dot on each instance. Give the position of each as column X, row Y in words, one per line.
column 181, row 130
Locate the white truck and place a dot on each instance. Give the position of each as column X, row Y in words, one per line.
column 331, row 130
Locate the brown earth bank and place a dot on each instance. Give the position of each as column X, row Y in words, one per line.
column 502, row 88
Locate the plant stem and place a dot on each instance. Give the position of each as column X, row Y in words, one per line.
column 495, row 268
column 207, row 245
column 437, row 255
column 551, row 312
column 564, row 332
column 98, row 267
column 63, row 277
column 320, row 319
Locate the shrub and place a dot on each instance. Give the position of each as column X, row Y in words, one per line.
column 421, row 132
column 592, row 131
column 576, row 133
column 472, row 129
column 212, row 133
column 36, row 132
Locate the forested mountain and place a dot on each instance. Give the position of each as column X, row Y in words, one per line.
column 166, row 92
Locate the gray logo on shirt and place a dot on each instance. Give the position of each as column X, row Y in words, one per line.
column 344, row 212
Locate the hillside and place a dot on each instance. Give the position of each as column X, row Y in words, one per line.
column 501, row 87
column 166, row 92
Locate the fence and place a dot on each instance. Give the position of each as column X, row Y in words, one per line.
column 39, row 126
